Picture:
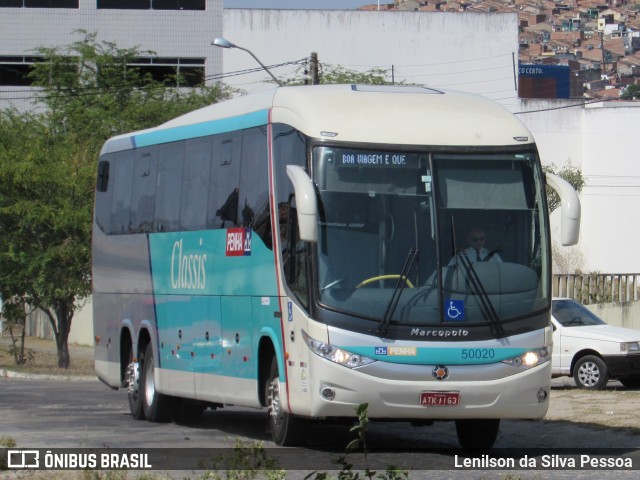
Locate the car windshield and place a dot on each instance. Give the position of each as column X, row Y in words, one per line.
column 573, row 314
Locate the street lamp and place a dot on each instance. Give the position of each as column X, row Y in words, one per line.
column 224, row 43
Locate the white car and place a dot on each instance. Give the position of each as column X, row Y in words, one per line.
column 590, row 350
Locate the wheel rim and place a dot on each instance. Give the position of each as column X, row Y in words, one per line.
column 275, row 409
column 589, row 374
column 131, row 380
column 149, row 384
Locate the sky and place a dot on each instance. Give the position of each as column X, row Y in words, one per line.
column 301, row 4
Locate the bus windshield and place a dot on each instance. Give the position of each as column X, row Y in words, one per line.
column 425, row 238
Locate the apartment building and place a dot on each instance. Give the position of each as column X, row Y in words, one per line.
column 177, row 32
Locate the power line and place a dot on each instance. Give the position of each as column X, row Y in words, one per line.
column 94, row 91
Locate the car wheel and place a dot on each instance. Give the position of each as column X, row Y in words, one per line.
column 591, row 373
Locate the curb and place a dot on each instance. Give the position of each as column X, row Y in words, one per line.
column 38, row 376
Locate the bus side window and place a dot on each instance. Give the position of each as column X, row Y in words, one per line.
column 254, row 211
column 104, row 196
column 103, row 176
column 224, row 180
column 294, row 256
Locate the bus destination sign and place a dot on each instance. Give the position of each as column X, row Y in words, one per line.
column 360, row 158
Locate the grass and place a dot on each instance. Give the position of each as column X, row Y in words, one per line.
column 44, row 358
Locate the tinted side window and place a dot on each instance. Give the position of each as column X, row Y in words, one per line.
column 290, row 148
column 169, row 187
column 143, row 191
column 195, row 184
column 224, row 181
column 104, row 195
column 254, row 183
column 122, row 183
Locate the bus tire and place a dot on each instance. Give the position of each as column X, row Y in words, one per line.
column 286, row 429
column 477, row 434
column 157, row 406
column 134, row 392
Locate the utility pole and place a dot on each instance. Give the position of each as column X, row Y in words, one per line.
column 604, row 65
column 313, row 67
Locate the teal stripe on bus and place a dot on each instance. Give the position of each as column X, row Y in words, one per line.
column 174, row 134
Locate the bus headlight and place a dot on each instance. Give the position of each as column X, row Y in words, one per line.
column 336, row 355
column 530, row 359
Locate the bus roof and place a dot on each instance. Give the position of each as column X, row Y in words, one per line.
column 355, row 113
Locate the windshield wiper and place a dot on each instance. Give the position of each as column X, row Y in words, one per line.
column 397, row 291
column 477, row 287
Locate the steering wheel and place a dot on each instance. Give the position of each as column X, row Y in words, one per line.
column 385, row 277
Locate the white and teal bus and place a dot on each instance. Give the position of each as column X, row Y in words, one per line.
column 302, row 250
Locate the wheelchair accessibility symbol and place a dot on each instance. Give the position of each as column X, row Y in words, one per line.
column 454, row 309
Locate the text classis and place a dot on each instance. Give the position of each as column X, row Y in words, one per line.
column 188, row 269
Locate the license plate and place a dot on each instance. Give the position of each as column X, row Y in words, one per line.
column 439, row 399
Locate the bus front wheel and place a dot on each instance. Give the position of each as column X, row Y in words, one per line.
column 286, row 429
column 477, row 434
column 157, row 406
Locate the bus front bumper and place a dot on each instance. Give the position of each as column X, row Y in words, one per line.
column 336, row 391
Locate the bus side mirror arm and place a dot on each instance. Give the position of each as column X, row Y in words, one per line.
column 306, row 203
column 569, row 209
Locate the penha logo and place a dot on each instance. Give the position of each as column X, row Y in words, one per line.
column 238, row 242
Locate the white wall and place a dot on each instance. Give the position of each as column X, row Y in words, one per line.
column 470, row 51
column 601, row 139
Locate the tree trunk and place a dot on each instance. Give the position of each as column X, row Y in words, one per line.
column 63, row 351
column 60, row 319
column 17, row 344
column 64, row 312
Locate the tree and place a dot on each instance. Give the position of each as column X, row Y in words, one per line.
column 47, row 168
column 565, row 259
column 330, row 74
column 632, row 92
column 571, row 174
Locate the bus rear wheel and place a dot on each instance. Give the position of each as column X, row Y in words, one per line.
column 132, row 383
column 286, row 429
column 157, row 406
column 477, row 434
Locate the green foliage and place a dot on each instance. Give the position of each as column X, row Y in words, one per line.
column 5, row 442
column 47, row 168
column 347, row 471
column 632, row 92
column 571, row 174
column 339, row 75
column 248, row 462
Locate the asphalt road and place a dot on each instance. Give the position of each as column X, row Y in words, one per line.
column 87, row 414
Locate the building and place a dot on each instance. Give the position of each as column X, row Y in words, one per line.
column 474, row 52
column 178, row 32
